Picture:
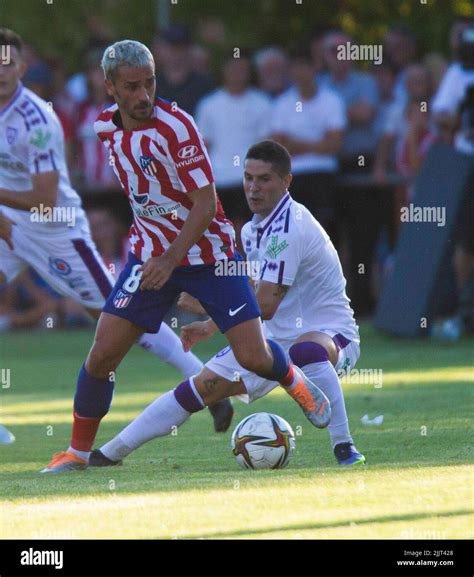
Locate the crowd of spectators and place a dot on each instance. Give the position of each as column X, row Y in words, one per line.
column 339, row 119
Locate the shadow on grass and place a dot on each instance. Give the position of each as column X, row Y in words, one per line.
column 345, row 523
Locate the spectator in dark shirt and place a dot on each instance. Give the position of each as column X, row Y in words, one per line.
column 359, row 92
column 176, row 80
column 400, row 51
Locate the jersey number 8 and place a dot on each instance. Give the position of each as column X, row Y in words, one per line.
column 133, row 281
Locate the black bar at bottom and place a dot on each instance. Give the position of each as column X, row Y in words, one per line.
column 244, row 558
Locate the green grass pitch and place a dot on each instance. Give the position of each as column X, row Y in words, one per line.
column 417, row 484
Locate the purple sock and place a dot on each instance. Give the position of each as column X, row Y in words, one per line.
column 188, row 397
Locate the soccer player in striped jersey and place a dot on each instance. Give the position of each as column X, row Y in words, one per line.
column 34, row 181
column 300, row 288
column 179, row 233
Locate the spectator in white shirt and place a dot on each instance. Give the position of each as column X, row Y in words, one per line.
column 309, row 121
column 231, row 119
column 453, row 90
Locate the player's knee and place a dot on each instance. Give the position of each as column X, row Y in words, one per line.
column 252, row 362
column 101, row 361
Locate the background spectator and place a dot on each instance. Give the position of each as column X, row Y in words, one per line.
column 400, row 49
column 414, row 143
column 76, row 87
column 93, row 170
column 26, row 302
column 176, row 78
column 419, row 88
column 310, row 122
column 273, row 70
column 231, row 119
column 359, row 92
column 110, row 237
column 384, row 76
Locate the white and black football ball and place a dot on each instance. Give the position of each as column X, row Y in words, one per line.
column 263, row 441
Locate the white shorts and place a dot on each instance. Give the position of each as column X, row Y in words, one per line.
column 66, row 260
column 225, row 365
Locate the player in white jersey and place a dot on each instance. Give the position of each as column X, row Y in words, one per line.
column 42, row 223
column 300, row 288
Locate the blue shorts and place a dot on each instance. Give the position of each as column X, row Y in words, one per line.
column 229, row 300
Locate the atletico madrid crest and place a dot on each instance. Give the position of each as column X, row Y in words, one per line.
column 148, row 165
column 122, row 299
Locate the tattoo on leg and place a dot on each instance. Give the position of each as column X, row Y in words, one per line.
column 210, row 385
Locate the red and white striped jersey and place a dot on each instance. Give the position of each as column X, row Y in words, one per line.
column 157, row 165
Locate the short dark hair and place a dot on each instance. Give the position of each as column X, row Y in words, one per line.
column 301, row 52
column 10, row 38
column 271, row 151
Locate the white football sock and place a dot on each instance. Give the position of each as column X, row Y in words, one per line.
column 325, row 377
column 157, row 420
column 166, row 345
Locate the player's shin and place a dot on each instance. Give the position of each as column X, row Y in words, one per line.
column 313, row 359
column 161, row 418
column 282, row 370
column 91, row 403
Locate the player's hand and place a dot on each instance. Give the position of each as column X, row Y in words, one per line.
column 194, row 333
column 6, row 229
column 156, row 271
column 189, row 303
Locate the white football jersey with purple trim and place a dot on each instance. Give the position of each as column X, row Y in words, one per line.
column 31, row 142
column 290, row 247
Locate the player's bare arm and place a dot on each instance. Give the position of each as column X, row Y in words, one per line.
column 157, row 270
column 6, row 229
column 44, row 191
column 269, row 297
column 191, row 304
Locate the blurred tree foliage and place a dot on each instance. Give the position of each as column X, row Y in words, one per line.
column 60, row 27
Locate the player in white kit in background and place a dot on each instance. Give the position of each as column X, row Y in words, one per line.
column 301, row 292
column 42, row 223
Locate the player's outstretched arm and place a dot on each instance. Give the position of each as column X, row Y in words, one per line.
column 197, row 332
column 45, row 192
column 157, row 270
column 269, row 296
column 189, row 303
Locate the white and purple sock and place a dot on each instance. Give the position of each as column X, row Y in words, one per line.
column 159, row 419
column 313, row 359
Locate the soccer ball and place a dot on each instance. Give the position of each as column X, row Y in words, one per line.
column 263, row 441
